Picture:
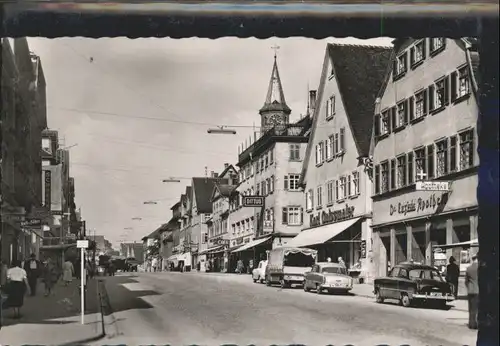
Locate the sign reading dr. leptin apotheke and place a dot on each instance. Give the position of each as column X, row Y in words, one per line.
column 418, row 205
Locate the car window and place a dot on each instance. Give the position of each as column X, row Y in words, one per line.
column 334, row 270
column 403, row 273
column 415, row 274
column 394, row 272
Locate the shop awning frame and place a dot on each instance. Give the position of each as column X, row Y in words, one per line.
column 210, row 250
column 321, row 235
column 470, row 243
column 252, row 244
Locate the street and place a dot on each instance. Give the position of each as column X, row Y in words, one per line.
column 214, row 309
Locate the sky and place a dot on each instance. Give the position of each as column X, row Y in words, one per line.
column 137, row 111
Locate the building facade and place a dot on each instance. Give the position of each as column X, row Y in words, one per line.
column 335, row 175
column 425, row 130
column 270, row 167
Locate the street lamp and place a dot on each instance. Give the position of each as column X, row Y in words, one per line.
column 221, row 130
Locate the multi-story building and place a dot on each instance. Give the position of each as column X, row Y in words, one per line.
column 23, row 116
column 183, row 260
column 270, row 167
column 335, row 175
column 425, row 130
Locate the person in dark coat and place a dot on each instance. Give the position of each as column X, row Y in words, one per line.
column 452, row 275
column 33, row 269
column 472, row 284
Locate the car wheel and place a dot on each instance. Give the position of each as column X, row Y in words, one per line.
column 261, row 280
column 306, row 289
column 405, row 300
column 268, row 281
column 254, row 280
column 283, row 283
column 318, row 289
column 378, row 297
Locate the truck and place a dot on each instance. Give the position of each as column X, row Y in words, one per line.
column 286, row 265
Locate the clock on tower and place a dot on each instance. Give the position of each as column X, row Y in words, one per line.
column 275, row 119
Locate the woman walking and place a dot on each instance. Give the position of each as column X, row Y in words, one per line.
column 49, row 276
column 68, row 271
column 17, row 287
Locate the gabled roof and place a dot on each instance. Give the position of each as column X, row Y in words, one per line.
column 202, row 189
column 359, row 72
column 224, row 190
column 176, row 205
column 227, row 169
column 275, row 98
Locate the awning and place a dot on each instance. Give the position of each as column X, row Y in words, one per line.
column 471, row 243
column 252, row 244
column 215, row 248
column 320, row 235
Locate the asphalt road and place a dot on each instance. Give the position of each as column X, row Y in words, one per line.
column 205, row 309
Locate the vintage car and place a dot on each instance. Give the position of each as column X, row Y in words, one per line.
column 410, row 283
column 259, row 273
column 326, row 276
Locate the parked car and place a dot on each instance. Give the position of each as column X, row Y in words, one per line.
column 410, row 283
column 331, row 277
column 287, row 265
column 259, row 273
column 132, row 264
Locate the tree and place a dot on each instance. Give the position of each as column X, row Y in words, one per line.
column 154, row 249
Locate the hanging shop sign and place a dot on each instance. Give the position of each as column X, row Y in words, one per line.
column 332, row 216
column 419, row 205
column 48, row 189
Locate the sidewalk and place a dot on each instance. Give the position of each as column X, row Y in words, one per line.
column 54, row 320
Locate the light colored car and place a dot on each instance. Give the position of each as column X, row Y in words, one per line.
column 259, row 273
column 326, row 276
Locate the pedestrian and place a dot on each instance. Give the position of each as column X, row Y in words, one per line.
column 3, row 274
column 452, row 275
column 329, row 260
column 154, row 264
column 49, row 276
column 68, row 271
column 472, row 284
column 17, row 287
column 33, row 269
column 341, row 262
column 239, row 267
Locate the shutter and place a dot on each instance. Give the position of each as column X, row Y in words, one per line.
column 447, row 90
column 393, row 118
column 285, row 183
column 377, row 179
column 410, row 109
column 349, row 185
column 454, row 80
column 327, row 108
column 426, row 103
column 342, row 139
column 412, row 56
column 377, row 125
column 284, row 216
column 301, row 215
column 430, row 97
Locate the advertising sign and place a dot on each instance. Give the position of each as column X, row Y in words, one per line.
column 47, row 201
column 253, row 201
column 433, row 186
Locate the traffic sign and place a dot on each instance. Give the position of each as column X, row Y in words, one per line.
column 82, row 244
column 433, row 186
column 253, row 201
column 30, row 222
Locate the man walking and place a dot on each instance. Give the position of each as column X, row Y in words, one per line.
column 32, row 268
column 452, row 274
column 471, row 282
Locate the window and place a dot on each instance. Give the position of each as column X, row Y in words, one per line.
column 291, row 182
column 343, row 188
column 442, row 158
column 440, row 94
column 355, row 183
column 460, row 85
column 418, row 52
column 46, row 145
column 329, row 148
column 329, row 193
column 337, row 190
column 266, row 160
column 342, row 140
column 420, row 105
column 402, row 113
column 437, row 43
column 384, row 177
column 271, row 156
column 294, row 152
column 320, row 153
column 401, row 66
column 257, row 190
column 268, row 186
column 263, row 188
column 336, row 143
column 466, row 149
column 330, row 107
column 292, row 216
column 420, row 165
column 401, row 171
column 393, row 174
column 385, row 123
column 319, row 197
column 430, row 162
column 377, row 179
column 309, row 200
column 376, row 124
column 453, row 154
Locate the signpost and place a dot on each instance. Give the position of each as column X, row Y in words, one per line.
column 433, row 186
column 253, row 201
column 82, row 245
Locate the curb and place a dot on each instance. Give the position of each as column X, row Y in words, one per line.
column 108, row 319
column 373, row 297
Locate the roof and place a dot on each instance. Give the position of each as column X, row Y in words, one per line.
column 275, row 98
column 176, row 205
column 224, row 190
column 227, row 169
column 359, row 72
column 203, row 188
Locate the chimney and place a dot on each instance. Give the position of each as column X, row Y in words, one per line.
column 226, row 165
column 312, row 100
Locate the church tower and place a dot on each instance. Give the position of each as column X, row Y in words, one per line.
column 275, row 111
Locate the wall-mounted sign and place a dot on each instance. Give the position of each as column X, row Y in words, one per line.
column 48, row 189
column 33, row 223
column 418, row 205
column 253, row 201
column 363, row 249
column 433, row 186
column 332, row 216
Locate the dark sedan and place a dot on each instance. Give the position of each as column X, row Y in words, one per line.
column 410, row 283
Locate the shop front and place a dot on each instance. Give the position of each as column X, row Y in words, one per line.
column 416, row 225
column 253, row 252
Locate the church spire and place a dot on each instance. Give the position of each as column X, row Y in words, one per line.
column 275, row 98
